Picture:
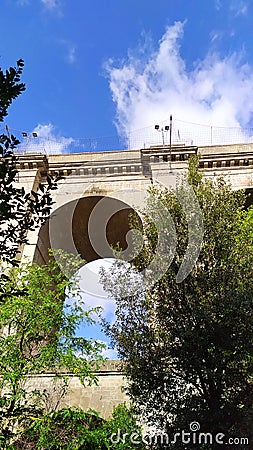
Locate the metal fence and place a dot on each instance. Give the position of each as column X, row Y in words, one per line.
column 183, row 133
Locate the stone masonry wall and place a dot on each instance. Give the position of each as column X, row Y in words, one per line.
column 101, row 397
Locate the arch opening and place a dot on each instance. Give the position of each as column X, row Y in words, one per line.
column 68, row 230
column 92, row 295
column 85, row 228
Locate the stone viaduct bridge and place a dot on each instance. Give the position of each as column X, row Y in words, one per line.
column 112, row 177
column 89, row 177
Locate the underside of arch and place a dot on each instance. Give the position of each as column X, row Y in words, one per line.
column 68, row 228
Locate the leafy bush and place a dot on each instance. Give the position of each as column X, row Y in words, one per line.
column 72, row 428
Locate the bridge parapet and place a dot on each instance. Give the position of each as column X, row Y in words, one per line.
column 226, row 160
column 234, row 162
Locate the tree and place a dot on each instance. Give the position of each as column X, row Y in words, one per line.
column 187, row 347
column 73, row 428
column 38, row 334
column 11, row 87
column 20, row 211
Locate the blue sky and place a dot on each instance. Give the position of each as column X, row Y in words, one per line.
column 115, row 68
column 106, row 68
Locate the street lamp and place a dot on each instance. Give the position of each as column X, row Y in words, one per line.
column 27, row 137
column 166, row 129
column 162, row 130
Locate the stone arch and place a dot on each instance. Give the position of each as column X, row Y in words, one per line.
column 67, row 228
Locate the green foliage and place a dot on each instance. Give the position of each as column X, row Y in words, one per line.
column 187, row 347
column 11, row 87
column 38, row 335
column 74, row 429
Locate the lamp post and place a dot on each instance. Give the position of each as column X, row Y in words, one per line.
column 162, row 130
column 27, row 137
column 166, row 129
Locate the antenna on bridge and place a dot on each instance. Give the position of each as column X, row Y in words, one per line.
column 170, row 140
column 7, row 131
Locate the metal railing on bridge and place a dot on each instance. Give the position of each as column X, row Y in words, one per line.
column 183, row 133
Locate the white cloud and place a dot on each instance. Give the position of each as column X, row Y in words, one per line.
column 69, row 50
column 44, row 131
column 46, row 141
column 91, row 289
column 215, row 35
column 48, row 4
column 23, row 2
column 148, row 88
column 51, row 4
column 71, row 56
column 239, row 8
column 218, row 4
column 109, row 353
column 108, row 305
